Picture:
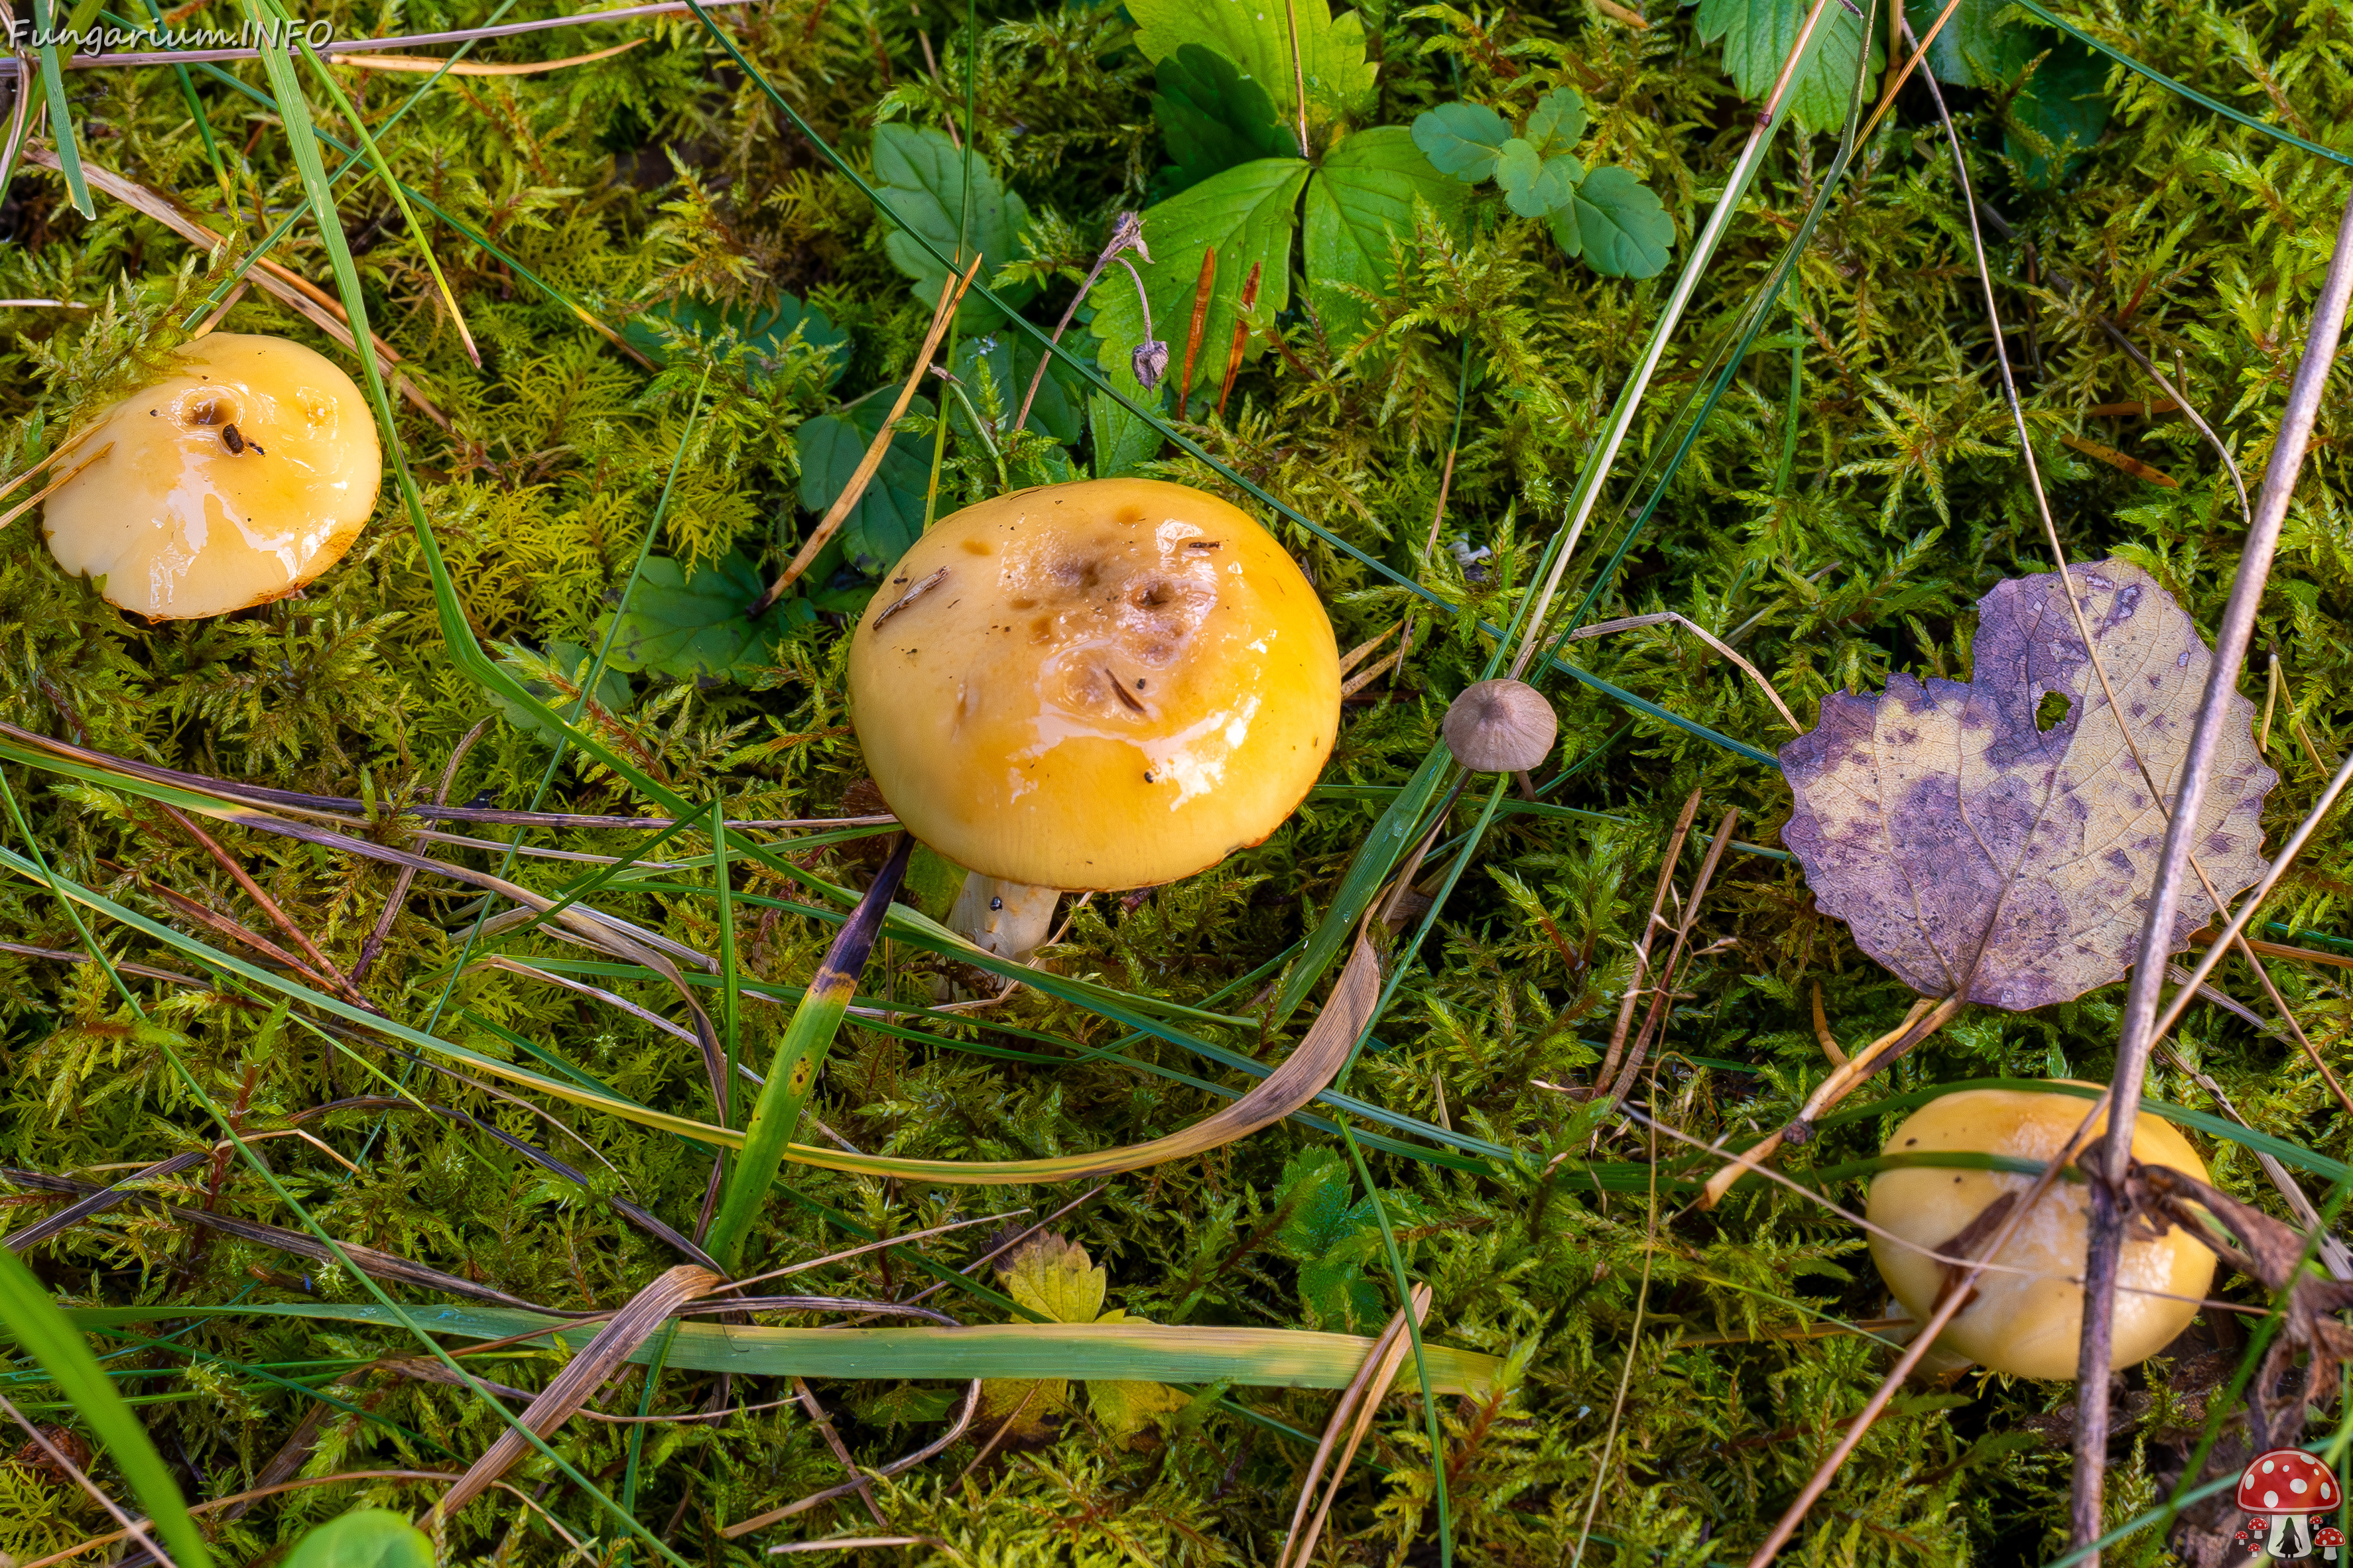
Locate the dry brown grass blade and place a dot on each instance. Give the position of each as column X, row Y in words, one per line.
column 584, row 1374
column 290, row 288
column 1668, row 617
column 1357, row 1405
column 300, row 1244
column 1663, row 994
column 824, row 1423
column 951, row 293
column 1206, row 286
column 1822, row 1036
column 52, row 487
column 930, row 1450
column 66, row 1467
column 267, row 905
column 2122, row 462
column 424, row 66
column 1608, row 1069
column 382, row 932
column 1925, row 1017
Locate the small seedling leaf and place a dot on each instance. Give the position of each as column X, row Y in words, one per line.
column 927, row 179
column 1053, row 1276
column 1615, row 223
column 1557, row 121
column 1968, row 848
column 1461, row 139
column 1212, row 117
column 1257, row 39
column 1758, row 37
column 371, row 1538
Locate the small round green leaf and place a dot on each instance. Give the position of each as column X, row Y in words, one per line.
column 1615, row 223
column 1461, row 139
column 371, row 1538
column 1517, row 166
column 1558, row 121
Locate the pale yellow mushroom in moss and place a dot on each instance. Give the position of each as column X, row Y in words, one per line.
column 2026, row 1316
column 1108, row 684
column 240, row 476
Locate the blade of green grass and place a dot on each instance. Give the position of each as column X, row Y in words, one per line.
column 800, row 1055
column 61, row 123
column 51, row 1338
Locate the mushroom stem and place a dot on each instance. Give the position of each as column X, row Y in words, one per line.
column 1011, row 920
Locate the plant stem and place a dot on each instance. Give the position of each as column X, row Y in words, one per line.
column 2105, row 1248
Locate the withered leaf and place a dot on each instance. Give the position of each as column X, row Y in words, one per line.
column 1968, row 848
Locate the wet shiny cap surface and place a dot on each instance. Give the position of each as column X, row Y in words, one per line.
column 1107, row 684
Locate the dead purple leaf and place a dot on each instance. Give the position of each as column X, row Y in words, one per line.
column 1968, row 848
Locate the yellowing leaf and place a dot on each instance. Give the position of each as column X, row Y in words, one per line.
column 1123, row 1409
column 1972, row 849
column 1054, row 1277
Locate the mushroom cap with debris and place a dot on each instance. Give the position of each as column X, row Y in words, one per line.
column 1113, row 683
column 243, row 474
column 2026, row 1318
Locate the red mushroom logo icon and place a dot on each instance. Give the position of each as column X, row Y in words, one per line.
column 2286, row 1487
column 2328, row 1537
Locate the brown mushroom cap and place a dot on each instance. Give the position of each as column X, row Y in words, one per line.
column 2027, row 1323
column 1107, row 684
column 242, row 475
column 1500, row 727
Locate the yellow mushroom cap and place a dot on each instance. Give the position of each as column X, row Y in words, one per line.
column 1107, row 684
column 242, row 475
column 2028, row 1324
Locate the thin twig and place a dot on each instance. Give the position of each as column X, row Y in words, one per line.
column 2138, row 1031
column 1667, row 618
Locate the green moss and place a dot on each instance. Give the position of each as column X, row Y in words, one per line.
column 659, row 175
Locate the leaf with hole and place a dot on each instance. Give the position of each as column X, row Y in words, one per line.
column 1212, row 117
column 1758, row 35
column 1617, row 224
column 1970, row 848
column 955, row 200
column 1255, row 34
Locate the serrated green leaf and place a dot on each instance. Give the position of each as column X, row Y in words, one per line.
column 1557, row 121
column 1247, row 213
column 1461, row 139
column 1758, row 35
column 1212, row 117
column 890, row 514
column 1123, row 442
column 2060, row 112
column 690, row 626
column 1358, row 203
column 1053, row 1276
column 370, row 1538
column 1336, row 1295
column 782, row 337
column 1313, row 1189
column 1256, row 36
column 930, row 181
column 1975, row 48
column 1615, row 222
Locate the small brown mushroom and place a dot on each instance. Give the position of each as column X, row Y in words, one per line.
column 1500, row 727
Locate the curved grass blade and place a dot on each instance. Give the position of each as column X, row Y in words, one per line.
column 61, row 123
column 53, row 1340
column 1144, row 1352
column 799, row 1056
